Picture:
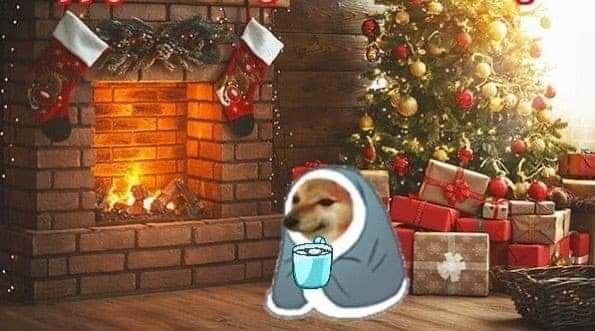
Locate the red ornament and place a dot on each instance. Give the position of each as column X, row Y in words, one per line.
column 370, row 28
column 369, row 152
column 518, row 146
column 465, row 99
column 463, row 39
column 498, row 188
column 538, row 191
column 535, row 51
column 63, row 2
column 401, row 165
column 539, row 103
column 401, row 52
column 550, row 92
column 465, row 154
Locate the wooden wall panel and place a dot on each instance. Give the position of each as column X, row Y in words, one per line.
column 318, row 80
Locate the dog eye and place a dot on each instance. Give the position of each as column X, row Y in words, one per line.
column 295, row 199
column 326, row 202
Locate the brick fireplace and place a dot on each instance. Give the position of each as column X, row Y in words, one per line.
column 161, row 125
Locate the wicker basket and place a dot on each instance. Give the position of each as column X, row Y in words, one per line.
column 554, row 296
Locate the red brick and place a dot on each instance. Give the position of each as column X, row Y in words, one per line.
column 210, row 233
column 200, row 168
column 152, row 138
column 209, row 254
column 53, row 289
column 58, row 158
column 234, row 172
column 154, row 258
column 49, row 244
column 222, row 132
column 73, row 220
column 263, row 111
column 272, row 227
column 200, row 130
column 218, row 274
column 200, row 91
column 265, row 207
column 83, row 264
column 266, row 131
column 171, row 123
column 266, row 92
column 253, row 190
column 268, row 267
column 113, row 110
column 73, row 179
column 57, row 266
column 253, row 270
column 113, row 139
column 34, row 268
column 239, row 209
column 171, row 152
column 216, row 151
column 143, row 11
column 254, row 151
column 134, row 153
column 101, row 94
column 208, row 111
column 78, row 137
column 249, row 250
column 134, row 124
column 89, row 158
column 166, row 279
column 103, row 240
column 192, row 148
column 88, row 200
column 108, row 284
column 154, row 109
column 56, row 200
column 265, row 170
column 88, row 115
column 253, row 230
column 164, row 236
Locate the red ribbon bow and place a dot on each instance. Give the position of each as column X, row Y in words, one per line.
column 457, row 191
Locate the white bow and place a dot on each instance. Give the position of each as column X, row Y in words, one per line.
column 451, row 267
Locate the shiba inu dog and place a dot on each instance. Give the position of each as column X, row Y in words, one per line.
column 320, row 208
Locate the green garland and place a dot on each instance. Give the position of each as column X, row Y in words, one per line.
column 136, row 45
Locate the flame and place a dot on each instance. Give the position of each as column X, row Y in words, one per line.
column 132, row 178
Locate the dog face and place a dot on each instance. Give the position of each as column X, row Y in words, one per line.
column 320, row 208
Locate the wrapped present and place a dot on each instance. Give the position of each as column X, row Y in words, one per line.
column 451, row 263
column 580, row 165
column 540, row 229
column 525, row 207
column 379, row 180
column 455, row 187
column 585, row 222
column 299, row 171
column 528, row 256
column 405, row 236
column 498, row 230
column 423, row 214
column 498, row 254
column 580, row 243
column 494, row 208
column 581, row 187
column 560, row 253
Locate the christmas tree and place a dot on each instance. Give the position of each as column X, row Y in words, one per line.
column 459, row 81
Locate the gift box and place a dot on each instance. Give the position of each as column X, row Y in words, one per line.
column 524, row 207
column 451, row 263
column 582, row 188
column 578, row 165
column 585, row 223
column 497, row 230
column 423, row 214
column 405, row 236
column 528, row 256
column 498, row 254
column 455, row 187
column 380, row 182
column 299, row 171
column 580, row 243
column 496, row 209
column 540, row 229
column 560, row 253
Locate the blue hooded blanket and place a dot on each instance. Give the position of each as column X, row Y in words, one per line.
column 367, row 270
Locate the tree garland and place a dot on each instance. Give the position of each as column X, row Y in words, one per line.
column 136, row 45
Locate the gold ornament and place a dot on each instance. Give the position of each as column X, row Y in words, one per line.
column 489, row 90
column 395, row 98
column 434, row 8
column 548, row 172
column 440, row 155
column 520, row 190
column 510, row 101
column 483, row 70
column 407, row 106
column 537, row 145
column 544, row 116
column 414, row 145
column 366, row 122
column 417, row 68
column 372, row 53
column 402, row 17
column 496, row 105
column 497, row 31
column 545, row 22
column 436, row 50
column 524, row 108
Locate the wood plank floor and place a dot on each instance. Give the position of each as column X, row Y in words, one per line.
column 240, row 307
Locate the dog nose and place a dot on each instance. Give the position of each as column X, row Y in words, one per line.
column 290, row 221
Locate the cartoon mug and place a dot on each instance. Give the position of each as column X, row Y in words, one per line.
column 312, row 263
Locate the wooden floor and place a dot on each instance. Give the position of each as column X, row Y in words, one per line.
column 241, row 308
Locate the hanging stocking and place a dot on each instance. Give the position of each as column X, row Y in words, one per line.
column 72, row 50
column 243, row 75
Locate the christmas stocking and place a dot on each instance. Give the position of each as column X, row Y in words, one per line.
column 243, row 74
column 73, row 49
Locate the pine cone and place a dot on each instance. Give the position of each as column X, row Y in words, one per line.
column 164, row 51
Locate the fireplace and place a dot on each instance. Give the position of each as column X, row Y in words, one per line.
column 136, row 137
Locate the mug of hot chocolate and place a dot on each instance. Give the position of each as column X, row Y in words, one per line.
column 312, row 264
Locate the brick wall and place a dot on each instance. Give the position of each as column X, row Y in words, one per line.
column 104, row 261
